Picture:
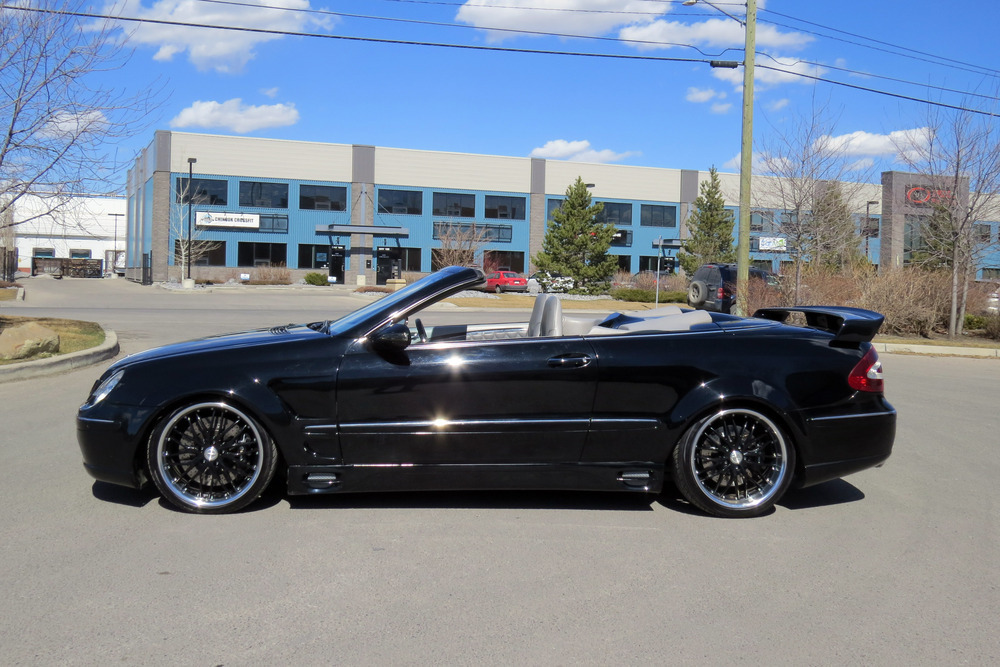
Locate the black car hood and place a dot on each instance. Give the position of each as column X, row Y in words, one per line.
column 245, row 339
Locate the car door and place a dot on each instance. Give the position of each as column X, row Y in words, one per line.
column 525, row 400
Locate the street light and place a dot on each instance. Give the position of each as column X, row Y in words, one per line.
column 868, row 222
column 190, row 196
column 114, row 252
column 746, row 150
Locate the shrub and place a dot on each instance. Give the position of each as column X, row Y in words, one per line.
column 647, row 295
column 993, row 326
column 277, row 274
column 314, row 278
column 914, row 301
column 975, row 321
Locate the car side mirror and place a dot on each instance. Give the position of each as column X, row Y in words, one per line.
column 393, row 338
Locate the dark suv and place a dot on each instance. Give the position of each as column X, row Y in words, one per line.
column 713, row 286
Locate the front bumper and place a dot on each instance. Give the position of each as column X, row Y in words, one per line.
column 109, row 449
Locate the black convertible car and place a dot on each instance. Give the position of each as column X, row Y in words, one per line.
column 733, row 410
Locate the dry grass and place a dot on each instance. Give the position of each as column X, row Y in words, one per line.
column 74, row 335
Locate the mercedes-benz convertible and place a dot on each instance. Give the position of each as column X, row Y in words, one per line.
column 732, row 411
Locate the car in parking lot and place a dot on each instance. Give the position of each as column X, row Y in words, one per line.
column 993, row 303
column 713, row 286
column 735, row 411
column 505, row 281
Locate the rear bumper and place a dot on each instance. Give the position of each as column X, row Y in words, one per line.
column 844, row 444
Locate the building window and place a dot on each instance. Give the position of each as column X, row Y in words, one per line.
column 264, row 195
column 204, row 253
column 648, row 263
column 410, row 259
column 616, row 213
column 990, row 273
column 79, row 254
column 981, row 232
column 869, row 228
column 273, row 223
column 43, row 252
column 313, row 256
column 756, row 221
column 406, row 202
column 261, row 254
column 622, row 238
column 550, row 207
column 454, row 205
column 489, row 233
column 207, row 192
column 504, row 208
column 323, row 198
column 502, row 260
column 653, row 215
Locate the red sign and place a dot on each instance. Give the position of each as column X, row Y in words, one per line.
column 923, row 195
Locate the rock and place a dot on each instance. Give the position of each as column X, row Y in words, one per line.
column 27, row 340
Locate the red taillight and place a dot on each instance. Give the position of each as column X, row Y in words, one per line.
column 867, row 374
column 721, row 293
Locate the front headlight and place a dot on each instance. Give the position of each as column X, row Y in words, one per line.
column 103, row 389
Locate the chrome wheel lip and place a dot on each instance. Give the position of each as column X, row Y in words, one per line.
column 737, row 457
column 244, row 485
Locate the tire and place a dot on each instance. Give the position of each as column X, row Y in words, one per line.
column 499, row 290
column 697, row 293
column 210, row 458
column 734, row 463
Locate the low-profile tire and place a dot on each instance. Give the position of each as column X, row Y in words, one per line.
column 697, row 293
column 734, row 463
column 210, row 458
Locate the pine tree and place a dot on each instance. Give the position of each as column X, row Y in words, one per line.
column 576, row 244
column 710, row 228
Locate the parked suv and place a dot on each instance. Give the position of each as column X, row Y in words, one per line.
column 713, row 286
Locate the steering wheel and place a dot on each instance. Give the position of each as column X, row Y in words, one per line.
column 421, row 331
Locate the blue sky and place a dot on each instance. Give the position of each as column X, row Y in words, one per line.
column 624, row 111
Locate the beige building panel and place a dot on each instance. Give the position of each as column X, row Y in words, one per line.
column 457, row 171
column 262, row 158
column 614, row 181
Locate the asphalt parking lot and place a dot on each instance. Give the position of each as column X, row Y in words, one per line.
column 897, row 565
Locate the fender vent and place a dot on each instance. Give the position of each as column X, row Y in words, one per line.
column 636, row 479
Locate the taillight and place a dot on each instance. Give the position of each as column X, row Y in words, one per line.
column 867, row 373
column 721, row 294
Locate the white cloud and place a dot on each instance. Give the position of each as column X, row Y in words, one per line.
column 777, row 105
column 758, row 162
column 716, row 33
column 700, row 95
column 721, row 107
column 233, row 115
column 784, row 73
column 868, row 144
column 65, row 124
column 578, row 151
column 221, row 50
column 570, row 17
column 270, row 92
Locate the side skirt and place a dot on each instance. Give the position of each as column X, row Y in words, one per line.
column 642, row 477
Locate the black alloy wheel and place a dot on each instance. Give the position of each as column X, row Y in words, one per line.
column 210, row 458
column 734, row 463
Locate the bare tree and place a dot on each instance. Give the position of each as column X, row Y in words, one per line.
column 959, row 164
column 60, row 121
column 199, row 247
column 461, row 243
column 814, row 185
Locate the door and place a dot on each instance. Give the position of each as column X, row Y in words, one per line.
column 502, row 402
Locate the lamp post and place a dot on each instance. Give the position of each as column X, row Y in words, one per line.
column 746, row 149
column 190, row 196
column 868, row 222
column 114, row 250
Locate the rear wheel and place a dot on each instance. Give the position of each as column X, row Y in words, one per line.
column 499, row 290
column 734, row 463
column 210, row 458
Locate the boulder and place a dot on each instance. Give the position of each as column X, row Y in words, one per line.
column 27, row 340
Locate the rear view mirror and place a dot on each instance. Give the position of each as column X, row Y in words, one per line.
column 393, row 338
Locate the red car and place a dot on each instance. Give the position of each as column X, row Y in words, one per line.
column 506, row 281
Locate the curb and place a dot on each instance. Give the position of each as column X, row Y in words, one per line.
column 62, row 363
column 939, row 350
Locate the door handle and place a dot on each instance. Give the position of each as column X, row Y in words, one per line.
column 569, row 361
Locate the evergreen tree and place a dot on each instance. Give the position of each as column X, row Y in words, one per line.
column 710, row 228
column 576, row 244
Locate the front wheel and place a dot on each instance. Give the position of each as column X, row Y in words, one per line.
column 498, row 289
column 734, row 463
column 210, row 458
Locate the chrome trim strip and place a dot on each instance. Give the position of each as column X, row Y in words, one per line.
column 92, row 420
column 443, row 423
column 859, row 416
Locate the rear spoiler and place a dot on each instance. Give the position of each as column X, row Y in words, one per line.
column 848, row 325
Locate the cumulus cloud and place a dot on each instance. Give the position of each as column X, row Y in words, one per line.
column 578, row 151
column 721, row 107
column 783, row 73
column 777, row 105
column 570, row 17
column 716, row 33
column 235, row 116
column 270, row 92
column 221, row 50
column 868, row 144
column 65, row 124
column 700, row 95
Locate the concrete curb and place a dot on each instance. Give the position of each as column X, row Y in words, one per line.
column 939, row 350
column 62, row 363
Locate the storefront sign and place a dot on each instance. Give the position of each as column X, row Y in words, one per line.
column 773, row 243
column 925, row 195
column 214, row 219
